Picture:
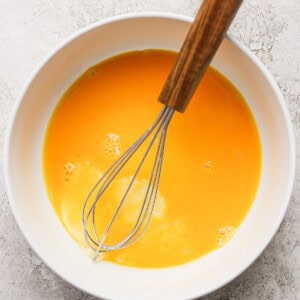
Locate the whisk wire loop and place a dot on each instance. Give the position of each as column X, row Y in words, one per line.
column 108, row 176
column 157, row 131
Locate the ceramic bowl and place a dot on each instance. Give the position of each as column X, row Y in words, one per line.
column 23, row 162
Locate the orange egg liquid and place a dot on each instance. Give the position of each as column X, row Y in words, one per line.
column 211, row 166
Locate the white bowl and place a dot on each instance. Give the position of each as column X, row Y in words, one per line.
column 26, row 188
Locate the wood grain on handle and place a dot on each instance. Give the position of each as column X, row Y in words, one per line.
column 197, row 51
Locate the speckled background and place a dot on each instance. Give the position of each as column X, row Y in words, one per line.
column 29, row 29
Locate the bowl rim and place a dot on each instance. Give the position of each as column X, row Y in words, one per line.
column 137, row 15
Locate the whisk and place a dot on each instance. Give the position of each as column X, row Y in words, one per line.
column 197, row 51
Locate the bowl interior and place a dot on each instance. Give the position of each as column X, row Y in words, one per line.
column 26, row 188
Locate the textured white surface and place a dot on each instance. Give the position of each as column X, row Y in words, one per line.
column 31, row 28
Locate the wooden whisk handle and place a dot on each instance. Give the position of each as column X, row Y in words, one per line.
column 200, row 45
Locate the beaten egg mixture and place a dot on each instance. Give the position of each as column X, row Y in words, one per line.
column 211, row 167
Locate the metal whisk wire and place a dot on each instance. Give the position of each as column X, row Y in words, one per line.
column 158, row 131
